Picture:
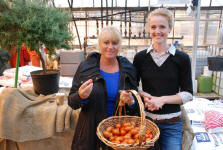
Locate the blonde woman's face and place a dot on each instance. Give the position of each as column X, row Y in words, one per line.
column 108, row 47
column 159, row 29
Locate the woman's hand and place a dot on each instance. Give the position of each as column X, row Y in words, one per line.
column 155, row 103
column 126, row 98
column 85, row 89
column 149, row 101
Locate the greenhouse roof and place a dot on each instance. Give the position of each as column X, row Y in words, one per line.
column 134, row 3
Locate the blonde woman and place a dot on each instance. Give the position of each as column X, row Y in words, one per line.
column 96, row 86
column 165, row 73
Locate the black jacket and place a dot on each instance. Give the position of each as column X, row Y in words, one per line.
column 95, row 110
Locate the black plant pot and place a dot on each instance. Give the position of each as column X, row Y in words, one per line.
column 45, row 83
column 215, row 63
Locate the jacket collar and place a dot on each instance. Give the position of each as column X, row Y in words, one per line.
column 125, row 67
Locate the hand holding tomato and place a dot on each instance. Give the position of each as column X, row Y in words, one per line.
column 85, row 89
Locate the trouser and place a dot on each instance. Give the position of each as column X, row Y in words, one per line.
column 170, row 135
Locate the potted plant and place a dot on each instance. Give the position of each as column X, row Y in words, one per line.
column 36, row 24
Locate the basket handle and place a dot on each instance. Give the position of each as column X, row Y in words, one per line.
column 142, row 131
column 119, row 109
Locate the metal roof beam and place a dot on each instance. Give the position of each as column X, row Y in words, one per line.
column 138, row 8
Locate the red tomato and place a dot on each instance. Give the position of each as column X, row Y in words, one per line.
column 136, row 136
column 119, row 138
column 150, row 136
column 118, row 125
column 122, row 132
column 133, row 131
column 112, row 138
column 126, row 124
column 127, row 136
column 124, row 142
column 109, row 129
column 107, row 134
column 131, row 141
column 115, row 131
column 148, row 131
column 127, row 128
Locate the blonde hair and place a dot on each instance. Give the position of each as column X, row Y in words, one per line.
column 111, row 33
column 165, row 13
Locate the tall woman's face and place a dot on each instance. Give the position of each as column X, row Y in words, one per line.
column 108, row 47
column 159, row 29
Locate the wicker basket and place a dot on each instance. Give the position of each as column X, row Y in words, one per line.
column 140, row 121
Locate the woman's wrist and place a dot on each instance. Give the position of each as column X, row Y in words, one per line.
column 80, row 95
column 143, row 94
column 164, row 99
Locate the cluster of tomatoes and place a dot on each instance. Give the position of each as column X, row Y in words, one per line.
column 126, row 133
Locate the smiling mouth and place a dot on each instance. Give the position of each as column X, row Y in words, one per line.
column 110, row 53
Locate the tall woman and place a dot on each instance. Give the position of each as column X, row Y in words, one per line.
column 165, row 73
column 96, row 86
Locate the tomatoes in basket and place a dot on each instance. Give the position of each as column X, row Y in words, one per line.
column 125, row 133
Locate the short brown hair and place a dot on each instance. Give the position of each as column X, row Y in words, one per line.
column 165, row 13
